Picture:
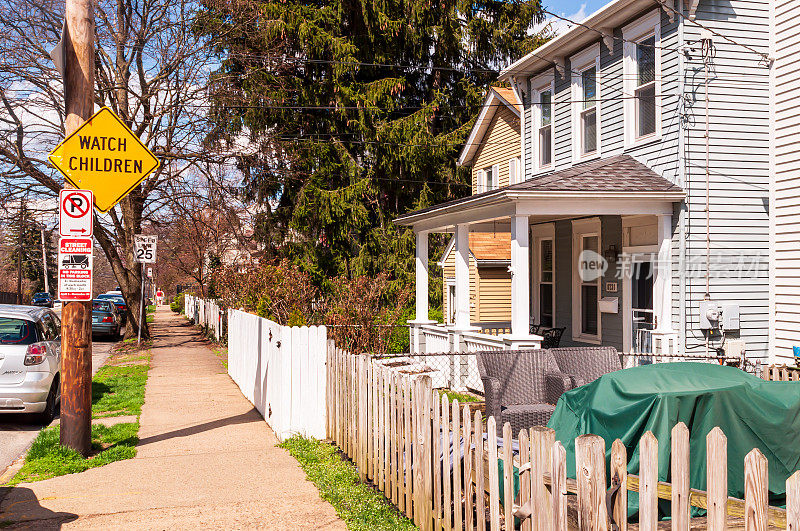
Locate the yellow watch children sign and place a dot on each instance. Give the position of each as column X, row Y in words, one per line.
column 104, row 156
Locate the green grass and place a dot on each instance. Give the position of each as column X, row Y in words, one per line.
column 47, row 458
column 150, row 318
column 118, row 390
column 461, row 397
column 151, row 308
column 361, row 507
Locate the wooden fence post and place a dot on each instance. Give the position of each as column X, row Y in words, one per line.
column 395, row 438
column 480, row 508
column 679, row 467
column 386, row 436
column 426, row 389
column 458, row 502
column 619, row 472
column 466, row 426
column 756, row 491
column 648, row 482
column 494, row 480
column 508, row 477
column 408, row 437
column 590, row 466
column 558, row 473
column 541, row 440
column 524, row 476
column 793, row 502
column 447, row 479
column 437, row 459
column 717, row 479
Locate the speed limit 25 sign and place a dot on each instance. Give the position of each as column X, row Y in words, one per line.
column 144, row 248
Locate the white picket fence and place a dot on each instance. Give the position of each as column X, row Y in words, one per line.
column 205, row 312
column 281, row 371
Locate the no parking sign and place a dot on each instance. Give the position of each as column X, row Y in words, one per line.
column 75, row 213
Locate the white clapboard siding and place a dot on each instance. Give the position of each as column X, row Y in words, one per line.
column 786, row 183
column 281, row 371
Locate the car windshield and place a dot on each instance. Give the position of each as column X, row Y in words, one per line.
column 16, row 331
column 103, row 306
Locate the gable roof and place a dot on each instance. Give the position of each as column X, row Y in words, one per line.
column 487, row 248
column 620, row 176
column 496, row 98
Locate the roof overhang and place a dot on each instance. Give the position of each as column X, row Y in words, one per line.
column 479, row 129
column 501, row 204
column 597, row 26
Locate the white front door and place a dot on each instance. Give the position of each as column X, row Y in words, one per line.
column 638, row 319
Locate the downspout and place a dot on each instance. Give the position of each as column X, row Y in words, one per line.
column 681, row 224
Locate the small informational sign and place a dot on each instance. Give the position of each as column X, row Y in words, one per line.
column 149, row 272
column 75, row 213
column 104, row 156
column 611, row 287
column 144, row 248
column 75, row 261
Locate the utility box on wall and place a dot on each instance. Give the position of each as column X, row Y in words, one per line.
column 709, row 315
column 730, row 317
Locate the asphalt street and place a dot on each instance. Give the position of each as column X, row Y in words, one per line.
column 17, row 432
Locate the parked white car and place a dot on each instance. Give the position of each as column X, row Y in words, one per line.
column 30, row 361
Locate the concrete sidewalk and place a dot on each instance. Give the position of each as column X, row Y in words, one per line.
column 206, row 459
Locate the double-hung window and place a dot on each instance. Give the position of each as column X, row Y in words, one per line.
column 543, row 274
column 642, row 73
column 546, row 129
column 588, row 116
column 488, row 178
column 542, row 117
column 587, row 280
column 586, row 104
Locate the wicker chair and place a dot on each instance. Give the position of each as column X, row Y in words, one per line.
column 521, row 386
column 551, row 337
column 586, row 364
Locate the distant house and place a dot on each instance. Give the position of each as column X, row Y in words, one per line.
column 637, row 209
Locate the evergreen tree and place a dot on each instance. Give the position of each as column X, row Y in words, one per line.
column 359, row 109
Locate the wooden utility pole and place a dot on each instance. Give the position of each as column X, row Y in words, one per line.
column 76, row 321
column 19, row 253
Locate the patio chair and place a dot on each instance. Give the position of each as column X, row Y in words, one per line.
column 551, row 337
column 521, row 386
column 586, row 364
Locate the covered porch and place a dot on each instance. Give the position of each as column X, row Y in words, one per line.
column 591, row 259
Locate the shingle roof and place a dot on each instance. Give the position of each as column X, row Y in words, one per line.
column 617, row 174
column 490, row 245
column 621, row 173
column 508, row 95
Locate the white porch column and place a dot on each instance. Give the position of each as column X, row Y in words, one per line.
column 662, row 276
column 422, row 276
column 520, row 276
column 462, row 317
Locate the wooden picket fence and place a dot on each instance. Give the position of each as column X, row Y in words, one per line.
column 780, row 373
column 398, row 430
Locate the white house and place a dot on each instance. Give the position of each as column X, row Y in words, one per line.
column 640, row 218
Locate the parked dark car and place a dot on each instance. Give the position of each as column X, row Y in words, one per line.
column 119, row 302
column 105, row 318
column 42, row 299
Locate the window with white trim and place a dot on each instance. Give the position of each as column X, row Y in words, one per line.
column 642, row 73
column 587, row 280
column 586, row 106
column 588, row 115
column 542, row 121
column 545, row 137
column 488, row 178
column 513, row 170
column 543, row 269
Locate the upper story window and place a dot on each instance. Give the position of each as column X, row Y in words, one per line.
column 543, row 88
column 546, row 129
column 588, row 116
column 488, row 178
column 642, row 74
column 586, row 104
column 513, row 170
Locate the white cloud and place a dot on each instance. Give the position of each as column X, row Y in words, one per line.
column 558, row 26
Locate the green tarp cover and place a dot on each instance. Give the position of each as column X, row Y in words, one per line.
column 625, row 404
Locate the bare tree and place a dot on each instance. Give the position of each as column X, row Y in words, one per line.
column 152, row 70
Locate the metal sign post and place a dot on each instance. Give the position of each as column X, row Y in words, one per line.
column 144, row 252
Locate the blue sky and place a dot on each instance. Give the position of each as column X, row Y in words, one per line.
column 572, row 9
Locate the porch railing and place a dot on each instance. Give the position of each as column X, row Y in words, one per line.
column 475, row 341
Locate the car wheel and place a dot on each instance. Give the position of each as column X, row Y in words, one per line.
column 53, row 403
